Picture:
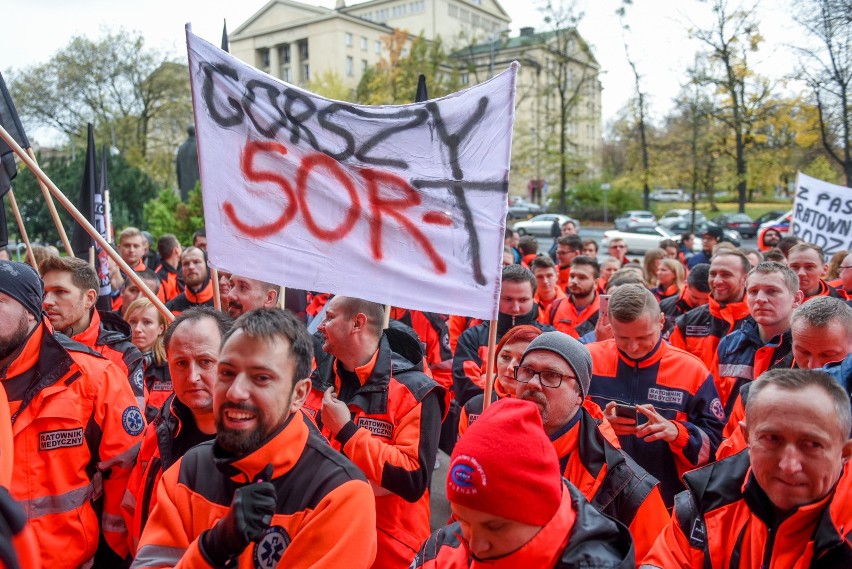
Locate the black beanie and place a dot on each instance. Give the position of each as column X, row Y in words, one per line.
column 23, row 284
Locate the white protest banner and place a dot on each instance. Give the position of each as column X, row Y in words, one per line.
column 822, row 214
column 403, row 205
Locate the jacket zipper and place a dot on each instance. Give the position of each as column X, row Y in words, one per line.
column 153, row 468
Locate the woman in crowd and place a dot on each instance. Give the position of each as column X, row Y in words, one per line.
column 670, row 278
column 650, row 262
column 148, row 327
column 509, row 350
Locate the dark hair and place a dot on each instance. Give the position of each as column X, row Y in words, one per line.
column 774, row 254
column 589, row 262
column 200, row 233
column 699, row 278
column 166, row 245
column 686, row 235
column 519, row 274
column 591, row 242
column 197, row 314
column 374, row 311
column 83, row 275
column 542, row 262
column 527, row 245
column 508, row 233
column 270, row 323
column 574, row 242
column 786, row 243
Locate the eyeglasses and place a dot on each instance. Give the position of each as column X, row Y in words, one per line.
column 547, row 378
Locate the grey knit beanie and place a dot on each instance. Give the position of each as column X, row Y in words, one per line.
column 573, row 352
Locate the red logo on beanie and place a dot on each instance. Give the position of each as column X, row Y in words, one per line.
column 466, row 476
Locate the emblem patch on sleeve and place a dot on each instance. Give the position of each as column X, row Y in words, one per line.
column 49, row 440
column 271, row 547
column 132, row 420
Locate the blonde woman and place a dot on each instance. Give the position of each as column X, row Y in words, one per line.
column 148, row 326
column 670, row 278
column 650, row 262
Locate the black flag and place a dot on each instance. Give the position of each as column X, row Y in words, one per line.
column 422, row 95
column 80, row 239
column 225, row 36
column 12, row 123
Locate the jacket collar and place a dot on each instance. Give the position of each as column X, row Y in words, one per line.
column 281, row 449
column 89, row 336
column 649, row 359
column 203, row 294
column 544, row 549
column 731, row 312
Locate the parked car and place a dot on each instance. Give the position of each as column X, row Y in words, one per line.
column 521, row 208
column 634, row 218
column 668, row 195
column 674, row 214
column 682, row 226
column 768, row 216
column 541, row 224
column 739, row 222
column 639, row 239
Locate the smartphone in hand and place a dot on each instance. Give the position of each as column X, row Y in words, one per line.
column 626, row 411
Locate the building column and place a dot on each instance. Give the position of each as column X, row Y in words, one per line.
column 274, row 62
column 295, row 63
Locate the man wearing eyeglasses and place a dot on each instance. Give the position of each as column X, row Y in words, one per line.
column 661, row 401
column 845, row 275
column 554, row 373
column 618, row 249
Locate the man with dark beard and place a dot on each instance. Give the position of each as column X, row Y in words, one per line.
column 56, row 388
column 198, row 289
column 269, row 478
column 577, row 314
column 517, row 306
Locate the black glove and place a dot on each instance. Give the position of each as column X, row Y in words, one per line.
column 250, row 515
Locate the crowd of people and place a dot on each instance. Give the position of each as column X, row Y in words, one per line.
column 683, row 410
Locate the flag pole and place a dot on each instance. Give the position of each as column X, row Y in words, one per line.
column 81, row 219
column 21, row 228
column 489, row 363
column 214, row 276
column 53, row 213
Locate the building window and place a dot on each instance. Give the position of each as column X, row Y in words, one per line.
column 350, row 66
column 348, row 39
column 263, row 58
column 306, row 72
column 284, row 53
column 465, row 15
column 287, row 75
column 475, row 20
column 303, row 50
column 364, row 43
column 454, row 11
column 465, row 78
column 364, row 66
column 378, row 46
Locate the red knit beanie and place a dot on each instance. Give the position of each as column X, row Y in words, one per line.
column 506, row 466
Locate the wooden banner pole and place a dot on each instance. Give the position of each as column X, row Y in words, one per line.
column 214, row 277
column 81, row 219
column 489, row 363
column 21, row 228
column 52, row 207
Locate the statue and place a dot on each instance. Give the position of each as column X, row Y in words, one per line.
column 186, row 162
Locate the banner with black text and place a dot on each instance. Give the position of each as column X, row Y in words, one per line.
column 403, row 205
column 822, row 214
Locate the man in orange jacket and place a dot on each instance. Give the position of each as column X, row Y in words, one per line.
column 70, row 293
column 169, row 270
column 247, row 294
column 268, row 492
column 783, row 502
column 76, row 427
column 577, row 314
column 186, row 419
column 378, row 408
column 554, row 373
column 512, row 506
column 808, row 262
column 198, row 289
column 700, row 330
column 660, row 401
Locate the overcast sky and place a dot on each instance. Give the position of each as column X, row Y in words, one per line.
column 659, row 38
